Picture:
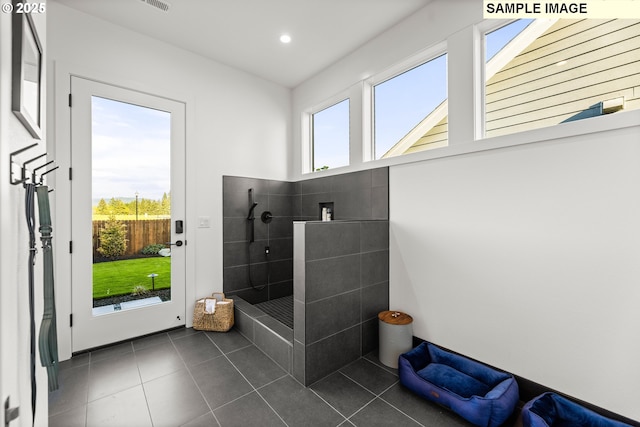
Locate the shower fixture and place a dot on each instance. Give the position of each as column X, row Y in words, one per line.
column 251, row 220
column 266, row 217
column 251, row 217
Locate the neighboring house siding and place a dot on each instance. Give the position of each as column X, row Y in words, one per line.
column 436, row 137
column 532, row 91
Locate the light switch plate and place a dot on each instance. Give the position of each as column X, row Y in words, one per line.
column 204, row 222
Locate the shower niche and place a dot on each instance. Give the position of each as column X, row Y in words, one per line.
column 326, row 211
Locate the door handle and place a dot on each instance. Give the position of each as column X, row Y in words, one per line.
column 177, row 243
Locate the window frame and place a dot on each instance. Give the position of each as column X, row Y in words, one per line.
column 472, row 140
column 307, row 123
column 480, row 32
column 414, row 61
column 537, row 28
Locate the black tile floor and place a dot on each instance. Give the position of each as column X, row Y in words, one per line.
column 190, row 378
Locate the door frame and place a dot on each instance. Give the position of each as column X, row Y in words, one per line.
column 90, row 330
column 59, row 147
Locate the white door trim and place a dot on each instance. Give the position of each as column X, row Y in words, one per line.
column 90, row 330
column 59, row 148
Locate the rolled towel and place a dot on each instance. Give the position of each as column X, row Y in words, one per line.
column 210, row 305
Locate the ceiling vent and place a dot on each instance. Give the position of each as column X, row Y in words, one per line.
column 159, row 4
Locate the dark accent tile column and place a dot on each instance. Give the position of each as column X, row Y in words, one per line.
column 341, row 282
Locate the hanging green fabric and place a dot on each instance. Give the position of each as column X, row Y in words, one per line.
column 48, row 340
column 30, row 190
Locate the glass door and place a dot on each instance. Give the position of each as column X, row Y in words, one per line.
column 127, row 214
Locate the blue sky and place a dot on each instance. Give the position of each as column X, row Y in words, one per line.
column 130, row 150
column 400, row 104
column 497, row 39
column 331, row 130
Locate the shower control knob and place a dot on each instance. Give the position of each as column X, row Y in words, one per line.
column 266, row 217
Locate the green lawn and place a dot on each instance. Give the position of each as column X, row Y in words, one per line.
column 120, row 277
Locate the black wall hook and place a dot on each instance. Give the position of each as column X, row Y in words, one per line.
column 35, row 171
column 44, row 173
column 23, row 174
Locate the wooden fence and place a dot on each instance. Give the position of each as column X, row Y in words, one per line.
column 139, row 234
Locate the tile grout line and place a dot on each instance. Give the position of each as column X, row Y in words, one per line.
column 392, row 371
column 253, row 323
column 144, row 392
column 86, row 405
column 90, row 364
column 261, row 390
column 362, row 407
column 194, row 380
column 395, row 407
column 248, row 393
column 344, row 419
column 248, row 382
column 377, row 396
column 359, row 385
column 313, row 391
column 84, row 402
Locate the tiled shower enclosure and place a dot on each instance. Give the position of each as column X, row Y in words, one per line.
column 341, row 267
column 360, row 195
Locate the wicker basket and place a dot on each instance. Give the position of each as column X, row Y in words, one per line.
column 221, row 320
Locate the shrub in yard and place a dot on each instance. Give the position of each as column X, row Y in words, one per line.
column 152, row 249
column 113, row 240
column 139, row 290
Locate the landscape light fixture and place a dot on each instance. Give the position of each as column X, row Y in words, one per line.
column 153, row 280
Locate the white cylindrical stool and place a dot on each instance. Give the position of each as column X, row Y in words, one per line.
column 395, row 332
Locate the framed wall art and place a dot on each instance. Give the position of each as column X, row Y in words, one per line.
column 27, row 84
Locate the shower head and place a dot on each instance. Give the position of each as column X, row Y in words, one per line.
column 250, row 215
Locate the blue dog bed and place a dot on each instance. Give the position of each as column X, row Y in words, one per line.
column 550, row 409
column 481, row 395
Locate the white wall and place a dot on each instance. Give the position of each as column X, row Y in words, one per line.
column 237, row 124
column 520, row 251
column 15, row 377
column 527, row 258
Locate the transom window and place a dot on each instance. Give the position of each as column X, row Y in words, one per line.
column 410, row 110
column 330, row 136
column 541, row 73
column 535, row 73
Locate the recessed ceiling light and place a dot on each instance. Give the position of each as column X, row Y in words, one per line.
column 285, row 38
column 561, row 63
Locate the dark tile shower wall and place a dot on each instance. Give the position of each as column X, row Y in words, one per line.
column 274, row 272
column 355, row 196
column 362, row 195
column 341, row 283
